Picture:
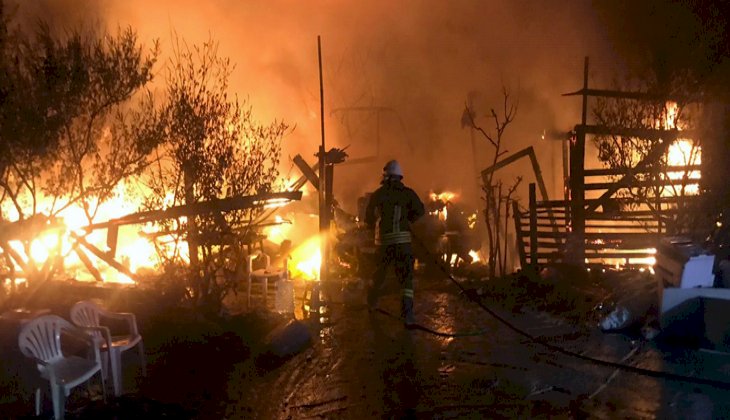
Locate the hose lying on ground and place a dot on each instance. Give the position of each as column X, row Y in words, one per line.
column 558, row 349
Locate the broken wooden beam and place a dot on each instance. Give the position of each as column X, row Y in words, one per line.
column 307, row 171
column 212, row 206
column 87, row 263
column 620, row 94
column 104, row 256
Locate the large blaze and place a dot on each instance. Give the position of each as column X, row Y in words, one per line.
column 134, row 247
column 682, row 152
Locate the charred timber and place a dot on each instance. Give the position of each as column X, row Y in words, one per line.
column 105, row 256
column 213, row 206
column 639, row 96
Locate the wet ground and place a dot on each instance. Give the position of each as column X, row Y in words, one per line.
column 364, row 365
column 545, row 359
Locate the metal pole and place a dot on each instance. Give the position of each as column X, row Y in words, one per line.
column 323, row 211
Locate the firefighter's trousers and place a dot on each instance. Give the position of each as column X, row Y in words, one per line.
column 401, row 257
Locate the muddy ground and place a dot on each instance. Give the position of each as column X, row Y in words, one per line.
column 538, row 360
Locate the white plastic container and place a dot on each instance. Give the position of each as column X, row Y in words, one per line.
column 284, row 299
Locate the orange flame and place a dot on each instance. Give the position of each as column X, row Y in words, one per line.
column 306, row 260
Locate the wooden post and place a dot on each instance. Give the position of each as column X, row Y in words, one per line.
column 329, row 198
column 518, row 234
column 323, row 212
column 533, row 226
column 192, row 239
column 576, row 249
column 329, row 202
column 566, row 169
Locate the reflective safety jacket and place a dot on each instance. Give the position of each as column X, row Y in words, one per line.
column 391, row 210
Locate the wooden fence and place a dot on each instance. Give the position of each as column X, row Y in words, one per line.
column 625, row 232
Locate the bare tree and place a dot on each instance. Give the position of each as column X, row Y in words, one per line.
column 493, row 214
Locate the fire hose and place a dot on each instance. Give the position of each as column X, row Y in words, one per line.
column 557, row 349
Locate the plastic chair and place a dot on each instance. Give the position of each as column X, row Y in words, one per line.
column 40, row 339
column 263, row 275
column 92, row 316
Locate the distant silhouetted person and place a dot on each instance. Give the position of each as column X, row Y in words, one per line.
column 390, row 211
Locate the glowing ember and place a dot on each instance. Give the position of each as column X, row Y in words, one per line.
column 444, row 196
column 474, row 255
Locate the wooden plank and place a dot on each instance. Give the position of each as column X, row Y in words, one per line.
column 530, row 153
column 105, row 257
column 592, row 236
column 87, row 263
column 213, row 206
column 599, row 218
column 504, row 162
column 668, row 136
column 621, row 94
column 614, row 186
column 307, row 171
column 624, row 171
column 603, row 256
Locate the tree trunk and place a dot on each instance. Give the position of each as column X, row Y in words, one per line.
column 193, row 245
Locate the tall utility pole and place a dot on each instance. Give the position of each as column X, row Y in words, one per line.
column 324, row 221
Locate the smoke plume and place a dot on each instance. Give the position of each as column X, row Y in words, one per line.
column 397, row 75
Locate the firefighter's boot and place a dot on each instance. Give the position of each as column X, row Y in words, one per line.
column 409, row 319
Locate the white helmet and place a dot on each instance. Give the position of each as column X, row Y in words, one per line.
column 392, row 168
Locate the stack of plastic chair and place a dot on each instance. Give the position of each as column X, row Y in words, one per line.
column 262, row 276
column 93, row 317
column 58, row 360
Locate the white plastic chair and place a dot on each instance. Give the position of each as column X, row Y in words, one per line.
column 263, row 275
column 40, row 339
column 92, row 316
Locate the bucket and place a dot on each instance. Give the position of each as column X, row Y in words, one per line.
column 284, row 299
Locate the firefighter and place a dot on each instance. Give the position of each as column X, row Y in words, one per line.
column 390, row 211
